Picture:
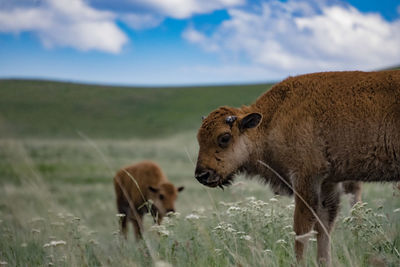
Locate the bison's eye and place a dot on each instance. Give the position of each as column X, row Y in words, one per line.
column 162, row 197
column 223, row 140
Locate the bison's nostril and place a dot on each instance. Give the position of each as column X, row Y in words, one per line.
column 203, row 175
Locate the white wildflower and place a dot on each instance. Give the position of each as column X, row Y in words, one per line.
column 174, row 214
column 35, row 231
column 160, row 229
column 192, row 217
column 290, row 206
column 287, row 227
column 396, row 210
column 200, row 210
column 273, row 199
column 280, row 241
column 246, row 237
column 218, row 227
column 313, row 239
column 233, row 210
column 55, row 243
column 230, row 229
column 120, row 215
column 267, row 250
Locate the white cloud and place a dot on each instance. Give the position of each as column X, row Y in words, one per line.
column 186, row 8
column 141, row 21
column 298, row 37
column 197, row 37
column 69, row 23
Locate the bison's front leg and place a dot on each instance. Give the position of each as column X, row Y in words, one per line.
column 304, row 219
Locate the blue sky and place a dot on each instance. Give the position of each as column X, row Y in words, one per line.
column 180, row 42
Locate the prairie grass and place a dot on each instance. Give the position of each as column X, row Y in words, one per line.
column 57, row 207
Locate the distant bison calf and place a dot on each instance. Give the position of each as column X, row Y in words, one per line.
column 134, row 186
column 306, row 135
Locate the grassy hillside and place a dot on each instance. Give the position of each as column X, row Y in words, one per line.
column 46, row 109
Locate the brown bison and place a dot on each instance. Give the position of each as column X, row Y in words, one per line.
column 134, row 186
column 305, row 136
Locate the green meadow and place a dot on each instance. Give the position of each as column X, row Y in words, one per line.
column 61, row 143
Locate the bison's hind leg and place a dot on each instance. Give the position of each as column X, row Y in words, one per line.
column 316, row 207
column 327, row 211
column 306, row 204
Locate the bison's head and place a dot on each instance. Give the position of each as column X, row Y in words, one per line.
column 164, row 197
column 226, row 141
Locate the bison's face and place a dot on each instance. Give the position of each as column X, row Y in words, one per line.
column 225, row 145
column 164, row 197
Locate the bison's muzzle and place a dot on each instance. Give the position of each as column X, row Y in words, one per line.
column 207, row 177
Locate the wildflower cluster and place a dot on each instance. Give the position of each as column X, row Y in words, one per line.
column 161, row 230
column 60, row 234
column 262, row 225
column 366, row 225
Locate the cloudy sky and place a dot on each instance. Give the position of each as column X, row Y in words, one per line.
column 168, row 42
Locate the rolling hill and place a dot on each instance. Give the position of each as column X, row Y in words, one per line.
column 47, row 109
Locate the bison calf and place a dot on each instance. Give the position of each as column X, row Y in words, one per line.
column 305, row 136
column 134, row 186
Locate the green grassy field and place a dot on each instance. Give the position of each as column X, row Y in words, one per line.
column 57, row 203
column 58, row 110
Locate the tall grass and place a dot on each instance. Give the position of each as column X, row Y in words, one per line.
column 57, row 207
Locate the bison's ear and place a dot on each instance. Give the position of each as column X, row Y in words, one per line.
column 152, row 189
column 250, row 121
column 180, row 189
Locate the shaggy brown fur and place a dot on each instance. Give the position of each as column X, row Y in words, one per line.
column 151, row 184
column 316, row 131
